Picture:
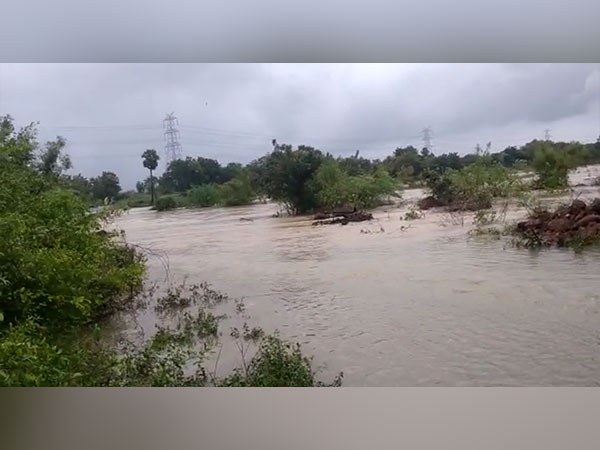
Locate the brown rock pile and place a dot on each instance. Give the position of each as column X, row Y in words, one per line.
column 578, row 222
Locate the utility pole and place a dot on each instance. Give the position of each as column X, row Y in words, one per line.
column 172, row 147
column 547, row 136
column 427, row 136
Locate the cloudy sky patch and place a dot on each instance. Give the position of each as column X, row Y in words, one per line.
column 110, row 113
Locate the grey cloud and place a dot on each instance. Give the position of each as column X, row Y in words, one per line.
column 112, row 112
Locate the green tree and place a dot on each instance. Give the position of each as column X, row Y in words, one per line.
column 106, row 186
column 181, row 175
column 551, row 166
column 80, row 184
column 52, row 161
column 287, row 176
column 238, row 191
column 205, row 195
column 150, row 161
column 54, row 264
column 335, row 188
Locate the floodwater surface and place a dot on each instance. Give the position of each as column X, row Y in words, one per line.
column 394, row 302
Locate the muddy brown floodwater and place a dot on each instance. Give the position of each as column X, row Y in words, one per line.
column 422, row 306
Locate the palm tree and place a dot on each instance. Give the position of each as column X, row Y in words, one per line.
column 151, row 158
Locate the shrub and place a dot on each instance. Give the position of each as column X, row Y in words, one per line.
column 332, row 186
column 55, row 263
column 440, row 185
column 31, row 356
column 276, row 364
column 474, row 186
column 205, row 195
column 335, row 188
column 165, row 203
column 551, row 167
column 237, row 192
column 287, row 177
column 174, row 356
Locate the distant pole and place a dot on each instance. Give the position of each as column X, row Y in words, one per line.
column 172, row 146
column 547, row 136
column 427, row 136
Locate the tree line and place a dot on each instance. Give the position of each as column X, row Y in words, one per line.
column 305, row 179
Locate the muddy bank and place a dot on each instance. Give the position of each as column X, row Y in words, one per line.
column 575, row 224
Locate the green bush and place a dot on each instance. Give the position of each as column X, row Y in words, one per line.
column 287, row 176
column 440, row 186
column 276, row 364
column 551, row 167
column 165, row 203
column 56, row 262
column 332, row 185
column 31, row 356
column 237, row 192
column 204, row 195
column 335, row 188
column 474, row 186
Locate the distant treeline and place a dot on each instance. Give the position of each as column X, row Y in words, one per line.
column 406, row 164
column 287, row 174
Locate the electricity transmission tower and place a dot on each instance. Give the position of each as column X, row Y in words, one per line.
column 427, row 136
column 172, row 147
column 547, row 136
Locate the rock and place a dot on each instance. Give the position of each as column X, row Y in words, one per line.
column 530, row 224
column 559, row 225
column 577, row 206
column 591, row 231
column 566, row 226
column 321, row 216
column 580, row 216
column 585, row 221
column 429, row 202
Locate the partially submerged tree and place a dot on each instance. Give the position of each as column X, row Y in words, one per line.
column 288, row 174
column 552, row 166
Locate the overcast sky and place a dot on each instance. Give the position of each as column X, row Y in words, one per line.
column 111, row 113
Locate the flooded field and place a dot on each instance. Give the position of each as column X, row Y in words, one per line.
column 394, row 302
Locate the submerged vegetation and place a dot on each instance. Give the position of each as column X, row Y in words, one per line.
column 474, row 186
